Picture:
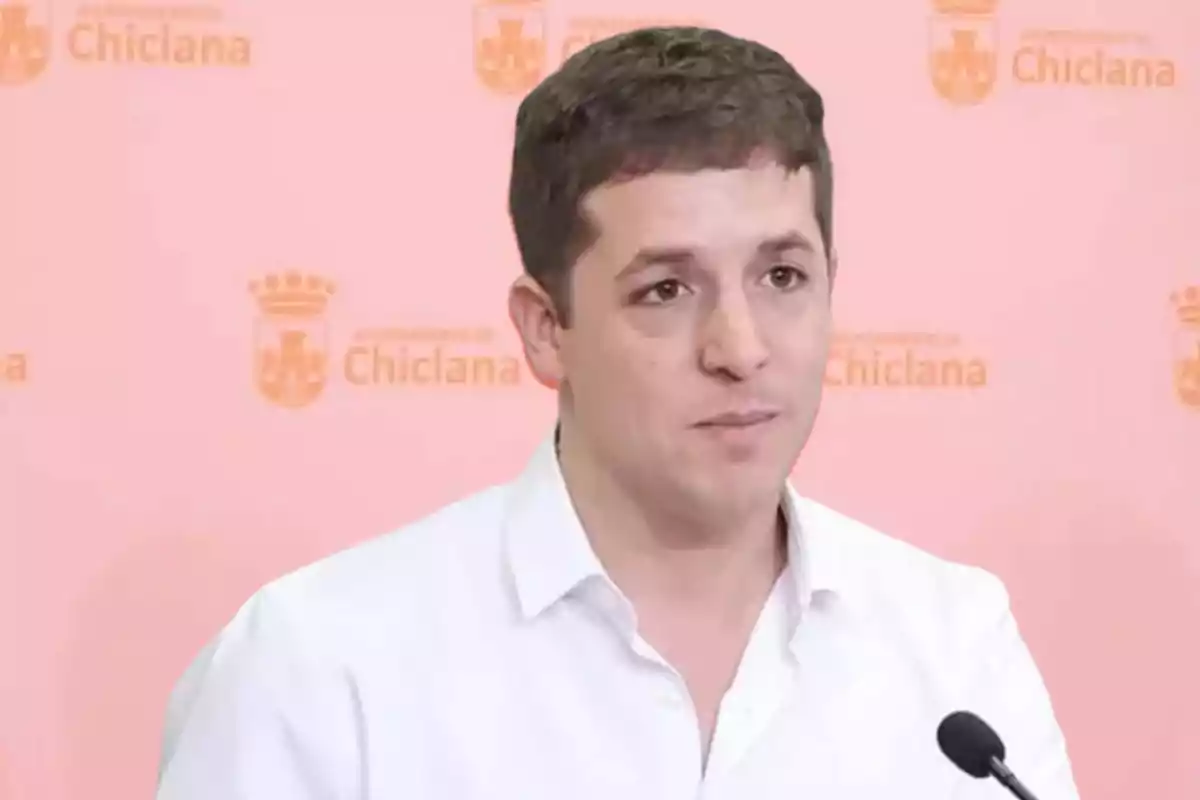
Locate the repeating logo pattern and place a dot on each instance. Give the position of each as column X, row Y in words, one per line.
column 296, row 359
column 510, row 44
column 904, row 360
column 963, row 55
column 968, row 57
column 14, row 368
column 24, row 42
column 122, row 35
column 513, row 40
column 291, row 362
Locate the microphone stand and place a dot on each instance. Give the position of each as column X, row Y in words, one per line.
column 1005, row 775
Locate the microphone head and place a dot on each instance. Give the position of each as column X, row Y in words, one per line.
column 970, row 743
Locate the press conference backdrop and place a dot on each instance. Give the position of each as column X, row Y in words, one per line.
column 254, row 258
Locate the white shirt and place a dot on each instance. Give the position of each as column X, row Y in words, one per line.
column 482, row 654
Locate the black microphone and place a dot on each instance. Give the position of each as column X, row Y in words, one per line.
column 976, row 749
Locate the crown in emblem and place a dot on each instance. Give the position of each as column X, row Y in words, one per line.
column 1187, row 305
column 292, row 294
column 965, row 6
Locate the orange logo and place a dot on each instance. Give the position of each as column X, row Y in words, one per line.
column 510, row 44
column 295, row 360
column 14, row 368
column 142, row 35
column 1186, row 303
column 24, row 43
column 903, row 361
column 290, row 338
column 963, row 59
column 965, row 56
column 1095, row 59
column 441, row 357
column 156, row 36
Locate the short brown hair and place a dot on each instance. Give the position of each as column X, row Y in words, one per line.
column 678, row 98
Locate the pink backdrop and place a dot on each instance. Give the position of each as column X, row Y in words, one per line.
column 1018, row 383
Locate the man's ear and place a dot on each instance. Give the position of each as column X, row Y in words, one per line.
column 534, row 317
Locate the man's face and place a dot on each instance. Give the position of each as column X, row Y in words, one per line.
column 700, row 324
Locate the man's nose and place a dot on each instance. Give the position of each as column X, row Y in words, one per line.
column 731, row 340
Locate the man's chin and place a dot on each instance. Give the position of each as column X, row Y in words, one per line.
column 738, row 487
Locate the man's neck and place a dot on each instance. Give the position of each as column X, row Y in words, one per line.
column 660, row 557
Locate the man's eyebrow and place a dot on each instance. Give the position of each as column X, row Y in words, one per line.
column 792, row 240
column 657, row 256
column 678, row 255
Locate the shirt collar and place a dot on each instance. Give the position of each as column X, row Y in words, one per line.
column 549, row 554
column 817, row 562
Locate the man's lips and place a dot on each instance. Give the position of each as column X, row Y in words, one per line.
column 739, row 419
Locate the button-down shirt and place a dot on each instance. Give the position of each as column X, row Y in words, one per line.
column 482, row 653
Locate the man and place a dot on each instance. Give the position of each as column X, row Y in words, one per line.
column 649, row 611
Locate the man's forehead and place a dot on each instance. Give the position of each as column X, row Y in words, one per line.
column 763, row 178
column 694, row 210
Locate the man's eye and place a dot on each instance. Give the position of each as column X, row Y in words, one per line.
column 786, row 277
column 661, row 292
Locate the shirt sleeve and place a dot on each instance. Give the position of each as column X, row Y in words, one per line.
column 261, row 716
column 1008, row 691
